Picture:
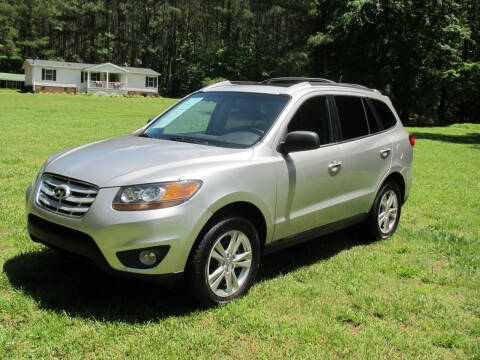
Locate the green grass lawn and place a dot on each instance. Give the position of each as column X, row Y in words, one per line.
column 416, row 295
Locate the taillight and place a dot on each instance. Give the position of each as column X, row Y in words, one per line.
column 412, row 140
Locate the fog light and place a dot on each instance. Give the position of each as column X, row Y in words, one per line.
column 145, row 258
column 148, row 257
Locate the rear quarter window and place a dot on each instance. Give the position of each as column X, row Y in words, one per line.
column 384, row 113
column 372, row 119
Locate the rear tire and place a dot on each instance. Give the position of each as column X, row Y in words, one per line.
column 385, row 213
column 224, row 264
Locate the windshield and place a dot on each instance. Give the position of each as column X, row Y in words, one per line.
column 228, row 119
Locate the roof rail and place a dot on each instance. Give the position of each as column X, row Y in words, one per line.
column 300, row 85
column 293, row 83
column 295, row 80
column 243, row 82
column 355, row 86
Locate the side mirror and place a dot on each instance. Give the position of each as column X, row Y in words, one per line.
column 300, row 141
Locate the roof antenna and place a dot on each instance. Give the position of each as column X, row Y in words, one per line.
column 341, row 77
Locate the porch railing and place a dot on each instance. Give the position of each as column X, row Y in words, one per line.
column 115, row 85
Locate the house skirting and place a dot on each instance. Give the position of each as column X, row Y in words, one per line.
column 105, row 92
column 48, row 89
column 54, row 89
column 142, row 93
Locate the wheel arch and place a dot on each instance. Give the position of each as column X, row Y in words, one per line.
column 245, row 209
column 398, row 179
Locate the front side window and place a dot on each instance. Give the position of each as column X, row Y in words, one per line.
column 384, row 113
column 313, row 116
column 351, row 113
column 219, row 118
column 151, row 81
column 49, row 74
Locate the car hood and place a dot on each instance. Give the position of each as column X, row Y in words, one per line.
column 131, row 160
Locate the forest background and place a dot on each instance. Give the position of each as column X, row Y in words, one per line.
column 424, row 54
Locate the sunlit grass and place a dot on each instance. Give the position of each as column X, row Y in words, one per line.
column 416, row 295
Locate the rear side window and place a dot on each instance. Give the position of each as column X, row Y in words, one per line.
column 313, row 116
column 351, row 114
column 384, row 113
column 372, row 121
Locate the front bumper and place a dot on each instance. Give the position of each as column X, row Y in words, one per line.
column 102, row 233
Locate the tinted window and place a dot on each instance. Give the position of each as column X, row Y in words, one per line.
column 312, row 116
column 384, row 113
column 352, row 117
column 372, row 121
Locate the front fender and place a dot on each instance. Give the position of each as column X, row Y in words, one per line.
column 225, row 201
column 250, row 198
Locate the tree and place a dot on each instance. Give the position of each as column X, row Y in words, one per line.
column 424, row 54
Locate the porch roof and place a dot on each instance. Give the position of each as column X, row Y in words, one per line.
column 107, row 67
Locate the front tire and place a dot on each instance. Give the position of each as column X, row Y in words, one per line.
column 225, row 262
column 385, row 213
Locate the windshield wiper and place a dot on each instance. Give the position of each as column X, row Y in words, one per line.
column 145, row 135
column 188, row 140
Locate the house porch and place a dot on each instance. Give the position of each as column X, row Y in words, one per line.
column 106, row 78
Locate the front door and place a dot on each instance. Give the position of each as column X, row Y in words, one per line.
column 308, row 191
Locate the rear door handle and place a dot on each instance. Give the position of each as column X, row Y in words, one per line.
column 384, row 152
column 334, row 166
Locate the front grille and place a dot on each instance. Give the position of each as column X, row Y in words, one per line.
column 66, row 196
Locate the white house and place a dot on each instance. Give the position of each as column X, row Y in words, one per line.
column 106, row 78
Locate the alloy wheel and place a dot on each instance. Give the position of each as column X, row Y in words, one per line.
column 388, row 212
column 229, row 263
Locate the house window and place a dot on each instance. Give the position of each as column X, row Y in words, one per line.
column 151, row 81
column 95, row 76
column 49, row 74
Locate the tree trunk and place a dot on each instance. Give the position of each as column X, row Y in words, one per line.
column 441, row 106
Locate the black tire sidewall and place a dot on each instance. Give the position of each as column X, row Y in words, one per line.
column 373, row 216
column 201, row 253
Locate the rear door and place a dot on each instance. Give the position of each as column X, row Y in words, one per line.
column 366, row 152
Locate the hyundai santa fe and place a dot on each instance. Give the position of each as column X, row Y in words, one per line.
column 231, row 172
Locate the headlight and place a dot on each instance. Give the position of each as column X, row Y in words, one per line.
column 155, row 196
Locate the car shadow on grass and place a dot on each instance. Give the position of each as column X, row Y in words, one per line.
column 311, row 252
column 471, row 138
column 68, row 286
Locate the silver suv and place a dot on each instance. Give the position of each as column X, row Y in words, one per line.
column 231, row 172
